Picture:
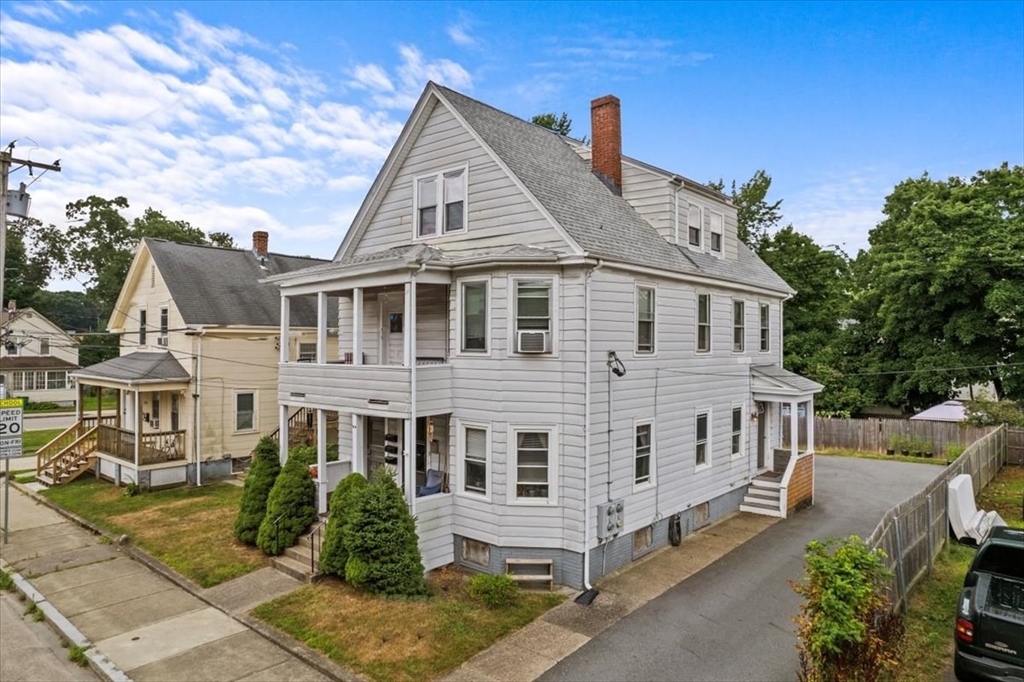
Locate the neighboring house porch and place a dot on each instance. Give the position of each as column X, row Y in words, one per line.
column 145, row 441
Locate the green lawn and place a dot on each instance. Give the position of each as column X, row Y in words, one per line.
column 928, row 648
column 399, row 640
column 33, row 440
column 189, row 529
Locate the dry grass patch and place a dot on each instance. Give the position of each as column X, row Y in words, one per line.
column 399, row 640
column 189, row 529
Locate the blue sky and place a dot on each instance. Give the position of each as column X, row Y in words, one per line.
column 244, row 116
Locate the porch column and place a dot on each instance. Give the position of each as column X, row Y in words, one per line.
column 810, row 425
column 321, row 460
column 286, row 323
column 357, row 458
column 120, row 405
column 138, row 429
column 99, row 405
column 794, row 430
column 78, row 405
column 405, row 481
column 321, row 328
column 357, row 329
column 129, row 409
column 282, row 434
column 410, row 357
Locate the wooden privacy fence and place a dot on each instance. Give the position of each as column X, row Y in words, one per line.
column 912, row 533
column 874, row 435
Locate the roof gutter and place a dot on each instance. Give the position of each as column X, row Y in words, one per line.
column 699, row 279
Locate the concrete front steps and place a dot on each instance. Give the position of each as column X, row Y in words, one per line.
column 764, row 495
column 295, row 560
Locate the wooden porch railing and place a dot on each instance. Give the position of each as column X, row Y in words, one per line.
column 48, row 452
column 71, row 461
column 162, row 446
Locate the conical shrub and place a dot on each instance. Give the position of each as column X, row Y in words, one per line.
column 292, row 503
column 333, row 553
column 262, row 475
column 381, row 539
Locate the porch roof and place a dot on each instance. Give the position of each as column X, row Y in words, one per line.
column 37, row 362
column 775, row 384
column 136, row 368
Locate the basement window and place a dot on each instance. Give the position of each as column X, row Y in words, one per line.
column 476, row 553
column 643, row 540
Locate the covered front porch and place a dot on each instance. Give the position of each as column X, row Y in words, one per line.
column 784, row 405
column 143, row 441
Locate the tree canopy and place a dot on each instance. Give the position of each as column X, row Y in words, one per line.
column 561, row 124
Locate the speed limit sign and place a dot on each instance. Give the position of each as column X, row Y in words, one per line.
column 11, row 410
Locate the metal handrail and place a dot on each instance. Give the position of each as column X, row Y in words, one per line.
column 315, row 541
column 277, row 535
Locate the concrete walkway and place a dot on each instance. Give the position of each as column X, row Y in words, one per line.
column 150, row 628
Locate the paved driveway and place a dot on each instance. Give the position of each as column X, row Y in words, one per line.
column 733, row 620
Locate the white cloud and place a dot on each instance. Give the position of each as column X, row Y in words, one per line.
column 459, row 33
column 841, row 209
column 372, row 77
column 37, row 10
column 415, row 71
column 75, row 8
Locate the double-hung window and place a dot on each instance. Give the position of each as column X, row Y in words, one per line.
column 175, row 416
column 163, row 327
column 693, row 223
column 307, row 352
column 56, row 380
column 702, row 446
column 737, row 431
column 765, row 329
column 533, row 477
column 142, row 326
column 738, row 326
column 44, row 345
column 643, row 453
column 154, row 416
column 474, row 317
column 474, row 460
column 441, row 203
column 533, row 316
column 717, row 222
column 245, row 411
column 703, row 323
column 645, row 305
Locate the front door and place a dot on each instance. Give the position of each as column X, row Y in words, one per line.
column 392, row 305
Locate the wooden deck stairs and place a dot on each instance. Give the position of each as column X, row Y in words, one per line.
column 67, row 456
column 764, row 495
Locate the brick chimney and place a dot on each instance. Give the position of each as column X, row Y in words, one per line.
column 606, row 148
column 259, row 242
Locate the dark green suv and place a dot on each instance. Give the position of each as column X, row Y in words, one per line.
column 989, row 633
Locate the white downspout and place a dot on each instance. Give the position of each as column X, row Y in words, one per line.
column 586, row 428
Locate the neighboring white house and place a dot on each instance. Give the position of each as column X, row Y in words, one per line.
column 197, row 376
column 36, row 357
column 561, row 359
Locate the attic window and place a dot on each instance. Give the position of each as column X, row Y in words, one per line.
column 441, row 203
column 693, row 222
column 152, row 276
column 717, row 220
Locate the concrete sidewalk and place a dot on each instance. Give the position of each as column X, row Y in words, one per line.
column 528, row 653
column 147, row 626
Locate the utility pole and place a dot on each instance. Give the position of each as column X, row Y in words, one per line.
column 6, row 161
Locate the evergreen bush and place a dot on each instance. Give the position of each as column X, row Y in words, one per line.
column 292, row 502
column 333, row 553
column 494, row 590
column 304, row 453
column 253, row 506
column 383, row 548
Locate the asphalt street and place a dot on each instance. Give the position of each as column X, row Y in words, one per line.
column 734, row 620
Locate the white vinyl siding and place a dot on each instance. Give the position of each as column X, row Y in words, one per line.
column 703, row 323
column 646, row 304
column 738, row 326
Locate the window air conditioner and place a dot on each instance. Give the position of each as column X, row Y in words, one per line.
column 161, row 341
column 532, row 341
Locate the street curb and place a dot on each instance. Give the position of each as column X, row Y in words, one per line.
column 307, row 655
column 98, row 661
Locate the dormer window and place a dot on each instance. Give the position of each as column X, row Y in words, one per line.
column 717, row 227
column 441, row 203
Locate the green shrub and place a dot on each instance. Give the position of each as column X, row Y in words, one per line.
column 303, row 453
column 954, row 450
column 253, row 505
column 76, row 655
column 292, row 503
column 6, row 581
column 494, row 590
column 333, row 554
column 383, row 549
column 846, row 629
column 131, row 490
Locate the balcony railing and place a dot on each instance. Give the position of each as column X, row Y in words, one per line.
column 154, row 448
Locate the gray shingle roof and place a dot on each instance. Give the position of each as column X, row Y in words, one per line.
column 212, row 285
column 601, row 222
column 787, row 378
column 135, row 367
